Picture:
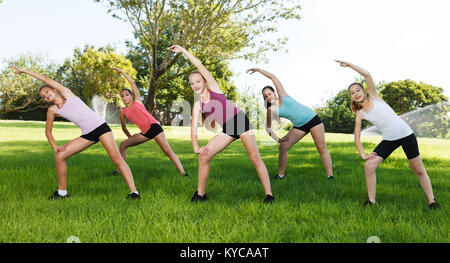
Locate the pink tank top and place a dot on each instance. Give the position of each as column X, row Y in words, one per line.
column 219, row 108
column 76, row 111
column 138, row 114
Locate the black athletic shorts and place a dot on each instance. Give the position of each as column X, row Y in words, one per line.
column 95, row 134
column 307, row 127
column 154, row 130
column 237, row 125
column 408, row 143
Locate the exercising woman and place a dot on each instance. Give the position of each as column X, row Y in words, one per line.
column 394, row 130
column 304, row 119
column 136, row 112
column 93, row 127
column 235, row 125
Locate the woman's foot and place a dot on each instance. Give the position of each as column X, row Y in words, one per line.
column 196, row 197
column 368, row 203
column 269, row 199
column 434, row 205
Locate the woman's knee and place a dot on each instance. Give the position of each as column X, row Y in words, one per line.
column 370, row 165
column 59, row 157
column 284, row 147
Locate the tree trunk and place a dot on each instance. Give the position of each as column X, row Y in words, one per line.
column 150, row 104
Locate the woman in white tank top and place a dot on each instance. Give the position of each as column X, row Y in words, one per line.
column 395, row 133
column 93, row 127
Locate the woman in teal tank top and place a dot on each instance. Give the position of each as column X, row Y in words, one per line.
column 305, row 121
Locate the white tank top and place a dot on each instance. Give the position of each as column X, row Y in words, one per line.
column 391, row 125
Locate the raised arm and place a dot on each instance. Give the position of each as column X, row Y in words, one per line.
column 211, row 83
column 137, row 95
column 357, row 138
column 65, row 92
column 366, row 74
column 276, row 82
column 124, row 124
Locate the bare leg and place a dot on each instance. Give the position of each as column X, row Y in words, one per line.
column 422, row 175
column 249, row 141
column 215, row 145
column 318, row 135
column 73, row 147
column 371, row 180
column 131, row 141
column 108, row 142
column 162, row 141
column 294, row 136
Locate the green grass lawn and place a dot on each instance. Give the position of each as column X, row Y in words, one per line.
column 308, row 207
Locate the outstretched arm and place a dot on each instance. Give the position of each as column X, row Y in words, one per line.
column 137, row 95
column 370, row 83
column 210, row 81
column 65, row 92
column 357, row 138
column 276, row 82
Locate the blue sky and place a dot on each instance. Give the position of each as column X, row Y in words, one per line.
column 394, row 40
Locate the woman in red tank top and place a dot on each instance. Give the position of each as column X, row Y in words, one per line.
column 136, row 112
column 235, row 125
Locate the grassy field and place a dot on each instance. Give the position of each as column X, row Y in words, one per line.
column 308, row 207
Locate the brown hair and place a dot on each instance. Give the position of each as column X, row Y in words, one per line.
column 266, row 103
column 355, row 106
column 43, row 86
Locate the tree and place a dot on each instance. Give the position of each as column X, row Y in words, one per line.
column 19, row 93
column 176, row 87
column 89, row 73
column 406, row 95
column 216, row 30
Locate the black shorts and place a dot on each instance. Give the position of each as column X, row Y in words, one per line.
column 408, row 143
column 307, row 127
column 154, row 130
column 95, row 134
column 237, row 125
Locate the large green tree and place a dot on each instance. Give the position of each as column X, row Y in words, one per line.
column 176, row 86
column 406, row 95
column 19, row 93
column 89, row 73
column 215, row 30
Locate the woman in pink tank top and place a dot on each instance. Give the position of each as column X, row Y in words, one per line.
column 234, row 122
column 93, row 127
column 136, row 112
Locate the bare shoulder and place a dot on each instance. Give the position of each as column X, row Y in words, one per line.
column 359, row 115
column 52, row 109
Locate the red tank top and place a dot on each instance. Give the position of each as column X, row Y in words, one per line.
column 138, row 114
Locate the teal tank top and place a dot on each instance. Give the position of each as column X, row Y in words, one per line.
column 297, row 113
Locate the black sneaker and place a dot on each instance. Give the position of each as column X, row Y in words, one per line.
column 269, row 199
column 56, row 196
column 134, row 196
column 368, row 203
column 434, row 206
column 330, row 177
column 186, row 174
column 277, row 177
column 196, row 197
